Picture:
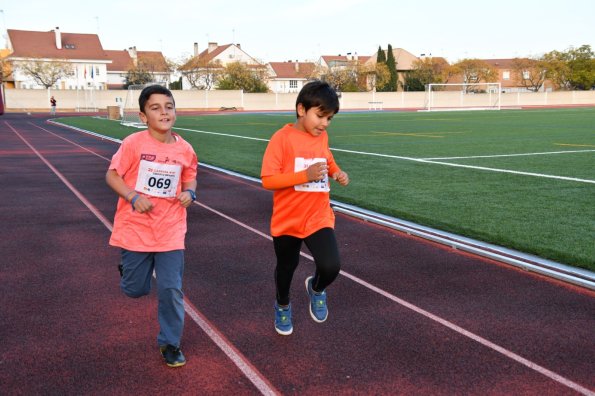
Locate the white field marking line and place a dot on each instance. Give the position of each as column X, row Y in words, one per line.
column 425, row 161
column 221, row 134
column 241, row 362
column 510, row 155
column 540, row 369
column 469, row 166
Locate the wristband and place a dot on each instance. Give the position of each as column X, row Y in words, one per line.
column 192, row 194
column 133, row 200
column 129, row 194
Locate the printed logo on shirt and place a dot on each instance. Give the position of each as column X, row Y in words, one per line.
column 301, row 164
column 148, row 157
column 157, row 179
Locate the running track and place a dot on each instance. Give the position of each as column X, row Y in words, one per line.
column 406, row 316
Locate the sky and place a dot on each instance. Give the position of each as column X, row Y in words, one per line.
column 281, row 30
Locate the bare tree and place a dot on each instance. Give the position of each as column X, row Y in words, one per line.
column 45, row 73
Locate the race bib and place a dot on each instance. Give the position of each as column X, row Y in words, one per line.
column 158, row 180
column 314, row 186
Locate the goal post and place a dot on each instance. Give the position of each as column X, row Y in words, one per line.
column 450, row 97
column 130, row 108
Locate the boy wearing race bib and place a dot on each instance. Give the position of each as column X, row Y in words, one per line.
column 296, row 166
column 154, row 174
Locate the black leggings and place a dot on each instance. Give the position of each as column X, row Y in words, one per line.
column 323, row 246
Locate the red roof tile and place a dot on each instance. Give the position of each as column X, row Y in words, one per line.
column 288, row 69
column 29, row 44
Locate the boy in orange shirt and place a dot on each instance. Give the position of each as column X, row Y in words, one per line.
column 154, row 173
column 296, row 165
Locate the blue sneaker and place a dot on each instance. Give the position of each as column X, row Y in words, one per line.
column 318, row 309
column 283, row 320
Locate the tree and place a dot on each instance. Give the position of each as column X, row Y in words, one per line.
column 381, row 75
column 381, row 56
column 572, row 69
column 202, row 74
column 136, row 76
column 45, row 73
column 473, row 71
column 392, row 69
column 529, row 73
column 427, row 71
column 237, row 75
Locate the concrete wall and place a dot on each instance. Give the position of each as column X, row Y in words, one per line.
column 99, row 100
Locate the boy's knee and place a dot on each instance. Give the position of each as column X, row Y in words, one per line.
column 330, row 268
column 134, row 293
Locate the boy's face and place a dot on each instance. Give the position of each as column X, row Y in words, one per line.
column 159, row 113
column 314, row 121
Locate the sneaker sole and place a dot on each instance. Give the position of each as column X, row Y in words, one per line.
column 175, row 364
column 178, row 364
column 285, row 333
column 310, row 305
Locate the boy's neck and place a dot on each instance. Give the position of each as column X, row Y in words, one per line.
column 163, row 137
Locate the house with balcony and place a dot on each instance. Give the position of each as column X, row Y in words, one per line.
column 81, row 58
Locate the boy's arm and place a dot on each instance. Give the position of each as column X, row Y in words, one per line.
column 140, row 203
column 284, row 180
column 317, row 171
column 186, row 197
column 117, row 184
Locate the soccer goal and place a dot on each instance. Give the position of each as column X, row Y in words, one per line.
column 449, row 97
column 130, row 107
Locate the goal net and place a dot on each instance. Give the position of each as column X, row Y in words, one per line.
column 449, row 97
column 130, row 108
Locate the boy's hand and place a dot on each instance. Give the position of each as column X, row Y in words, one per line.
column 341, row 177
column 143, row 204
column 185, row 198
column 317, row 171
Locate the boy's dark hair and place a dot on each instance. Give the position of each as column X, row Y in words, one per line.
column 150, row 90
column 318, row 94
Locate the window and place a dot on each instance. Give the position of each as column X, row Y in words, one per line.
column 97, row 71
column 293, row 84
column 525, row 75
column 506, row 75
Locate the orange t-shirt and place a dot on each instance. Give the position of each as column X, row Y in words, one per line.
column 302, row 209
column 156, row 170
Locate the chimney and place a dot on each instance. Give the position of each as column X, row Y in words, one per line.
column 133, row 55
column 239, row 46
column 58, row 38
column 297, row 66
column 212, row 47
column 195, row 49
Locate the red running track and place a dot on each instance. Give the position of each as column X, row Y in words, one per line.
column 406, row 316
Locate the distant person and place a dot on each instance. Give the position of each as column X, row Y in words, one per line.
column 296, row 165
column 154, row 173
column 53, row 103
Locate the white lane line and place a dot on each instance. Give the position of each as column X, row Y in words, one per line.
column 509, row 354
column 241, row 362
